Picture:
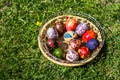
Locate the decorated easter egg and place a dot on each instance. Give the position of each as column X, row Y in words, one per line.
column 81, row 28
column 60, row 27
column 88, row 35
column 60, row 42
column 83, row 52
column 72, row 55
column 92, row 44
column 52, row 33
column 51, row 43
column 69, row 35
column 75, row 44
column 58, row 52
column 71, row 24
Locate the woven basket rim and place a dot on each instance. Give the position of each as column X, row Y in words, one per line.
column 79, row 63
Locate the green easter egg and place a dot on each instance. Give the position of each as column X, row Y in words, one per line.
column 58, row 52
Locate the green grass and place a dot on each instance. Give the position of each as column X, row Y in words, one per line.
column 20, row 57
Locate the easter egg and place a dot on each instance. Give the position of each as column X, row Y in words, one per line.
column 72, row 55
column 60, row 27
column 58, row 52
column 60, row 42
column 71, row 24
column 92, row 44
column 52, row 33
column 83, row 52
column 88, row 35
column 81, row 28
column 51, row 43
column 75, row 44
column 69, row 35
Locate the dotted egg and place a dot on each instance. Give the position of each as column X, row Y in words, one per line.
column 75, row 44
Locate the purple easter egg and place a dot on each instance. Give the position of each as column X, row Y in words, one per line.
column 52, row 33
column 81, row 28
column 72, row 55
column 92, row 44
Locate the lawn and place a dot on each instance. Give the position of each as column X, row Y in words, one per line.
column 20, row 57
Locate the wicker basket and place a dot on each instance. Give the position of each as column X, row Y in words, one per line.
column 81, row 17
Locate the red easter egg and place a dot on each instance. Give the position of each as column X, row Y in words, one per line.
column 88, row 35
column 71, row 24
column 51, row 43
column 83, row 52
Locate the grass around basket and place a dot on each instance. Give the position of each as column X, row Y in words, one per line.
column 20, row 57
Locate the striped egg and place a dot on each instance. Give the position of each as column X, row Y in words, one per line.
column 69, row 35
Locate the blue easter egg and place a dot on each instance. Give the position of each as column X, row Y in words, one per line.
column 92, row 44
column 69, row 35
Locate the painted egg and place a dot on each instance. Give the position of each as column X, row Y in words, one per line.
column 81, row 28
column 71, row 24
column 60, row 42
column 58, row 52
column 51, row 43
column 69, row 35
column 52, row 33
column 72, row 55
column 60, row 27
column 92, row 44
column 83, row 52
column 88, row 35
column 75, row 44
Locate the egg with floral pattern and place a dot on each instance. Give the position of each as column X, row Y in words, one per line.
column 75, row 44
column 72, row 55
column 81, row 28
column 71, row 24
column 52, row 33
column 83, row 52
column 88, row 35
